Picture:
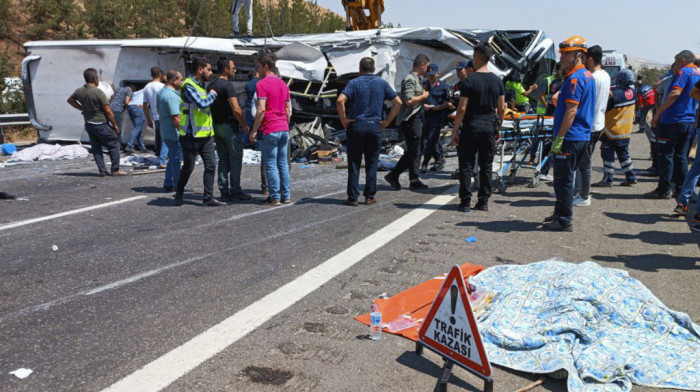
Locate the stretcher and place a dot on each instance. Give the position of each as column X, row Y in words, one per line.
column 521, row 137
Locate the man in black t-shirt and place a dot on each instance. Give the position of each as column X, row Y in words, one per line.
column 481, row 108
column 228, row 120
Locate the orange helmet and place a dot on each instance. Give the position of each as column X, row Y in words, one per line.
column 573, row 43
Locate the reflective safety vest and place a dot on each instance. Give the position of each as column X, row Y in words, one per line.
column 541, row 109
column 199, row 120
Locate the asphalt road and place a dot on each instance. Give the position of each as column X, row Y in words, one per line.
column 136, row 278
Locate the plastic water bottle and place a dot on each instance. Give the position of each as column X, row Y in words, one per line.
column 375, row 323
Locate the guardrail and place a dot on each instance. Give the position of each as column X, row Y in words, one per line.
column 13, row 120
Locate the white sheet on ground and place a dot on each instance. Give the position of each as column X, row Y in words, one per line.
column 51, row 152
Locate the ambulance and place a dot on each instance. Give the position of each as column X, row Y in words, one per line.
column 612, row 63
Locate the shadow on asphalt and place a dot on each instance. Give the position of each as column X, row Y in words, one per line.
column 646, row 219
column 545, row 202
column 543, row 193
column 659, row 237
column 503, row 226
column 619, row 196
column 324, row 201
column 652, row 262
column 79, row 174
column 149, row 189
column 419, row 363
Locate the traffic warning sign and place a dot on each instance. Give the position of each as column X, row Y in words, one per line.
column 450, row 327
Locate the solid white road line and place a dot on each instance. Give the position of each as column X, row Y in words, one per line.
column 67, row 213
column 178, row 362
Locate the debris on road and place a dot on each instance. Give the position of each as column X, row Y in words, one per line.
column 251, row 157
column 22, row 373
column 7, row 196
column 140, row 161
column 50, row 152
column 8, row 148
column 54, row 248
column 471, row 239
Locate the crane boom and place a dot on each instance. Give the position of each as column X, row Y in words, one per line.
column 363, row 14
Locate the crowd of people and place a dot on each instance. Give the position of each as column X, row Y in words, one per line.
column 200, row 114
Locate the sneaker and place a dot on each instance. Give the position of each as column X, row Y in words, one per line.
column 129, row 150
column 162, row 167
column 581, row 202
column 680, row 209
column 104, row 174
column 696, row 218
column 546, row 177
column 168, row 189
column 271, row 202
column 628, row 183
column 225, row 197
column 482, row 205
column 454, row 175
column 602, row 184
column 213, row 203
column 119, row 173
column 264, row 191
column 350, row 202
column 557, row 226
column 423, row 169
column 417, row 184
column 286, row 201
column 463, row 207
column 552, row 218
column 393, row 182
column 240, row 196
column 655, row 194
column 370, row 200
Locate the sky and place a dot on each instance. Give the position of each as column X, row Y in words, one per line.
column 642, row 29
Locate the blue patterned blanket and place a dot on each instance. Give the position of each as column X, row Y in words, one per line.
column 607, row 330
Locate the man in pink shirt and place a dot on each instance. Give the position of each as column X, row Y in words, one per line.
column 273, row 113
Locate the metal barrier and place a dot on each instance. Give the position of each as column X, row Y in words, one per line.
column 13, row 120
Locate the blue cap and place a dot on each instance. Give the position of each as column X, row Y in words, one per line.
column 432, row 69
column 465, row 64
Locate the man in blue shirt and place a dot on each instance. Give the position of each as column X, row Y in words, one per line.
column 573, row 121
column 168, row 106
column 436, row 107
column 675, row 120
column 366, row 95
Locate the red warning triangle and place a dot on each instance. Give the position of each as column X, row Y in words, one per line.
column 450, row 327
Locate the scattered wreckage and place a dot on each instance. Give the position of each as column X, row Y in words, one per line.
column 316, row 68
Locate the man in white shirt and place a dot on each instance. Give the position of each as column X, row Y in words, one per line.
column 594, row 57
column 150, row 109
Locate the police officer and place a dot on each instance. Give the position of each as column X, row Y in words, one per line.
column 436, row 108
column 573, row 121
column 197, row 130
column 463, row 69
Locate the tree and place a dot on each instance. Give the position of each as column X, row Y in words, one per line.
column 57, row 19
column 7, row 16
column 651, row 75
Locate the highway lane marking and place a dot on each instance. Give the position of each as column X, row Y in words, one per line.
column 168, row 368
column 67, row 213
column 135, row 278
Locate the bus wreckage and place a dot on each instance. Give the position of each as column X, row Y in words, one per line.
column 316, row 68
